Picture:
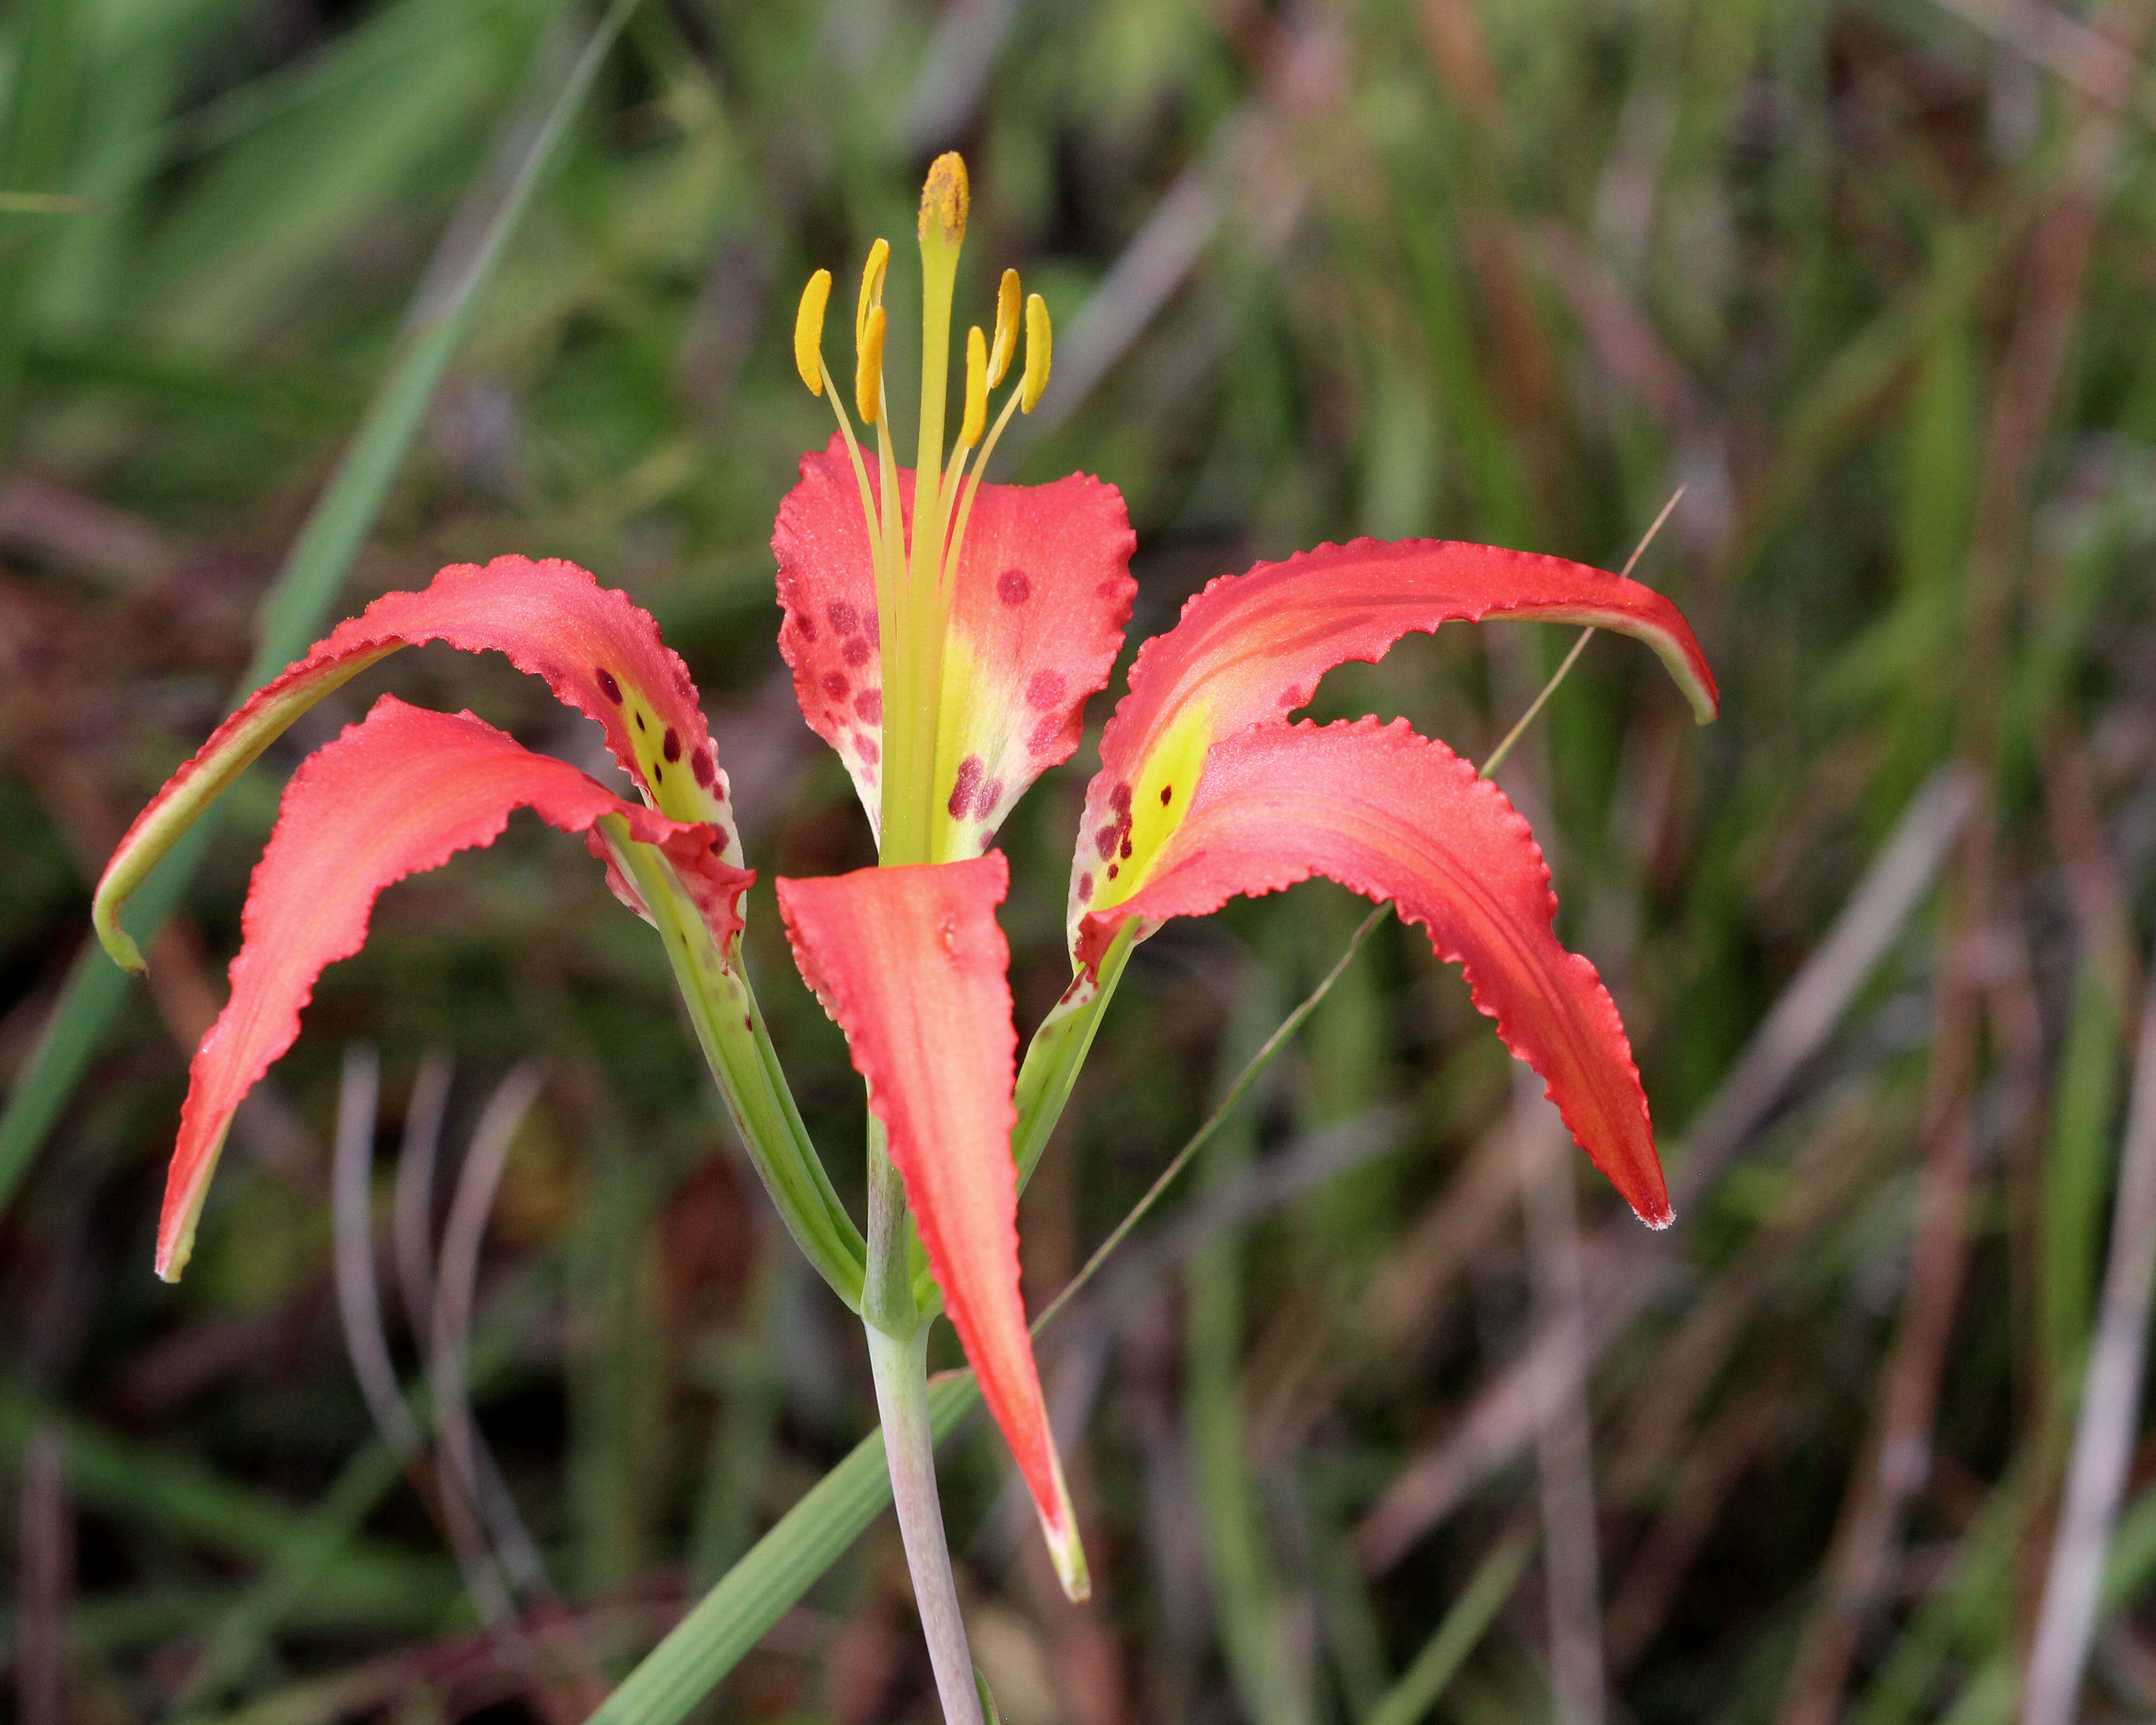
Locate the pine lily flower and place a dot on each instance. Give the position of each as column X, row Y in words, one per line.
column 946, row 648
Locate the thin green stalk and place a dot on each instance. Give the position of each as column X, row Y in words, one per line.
column 900, row 1367
column 1244, row 1079
column 297, row 602
column 1409, row 1702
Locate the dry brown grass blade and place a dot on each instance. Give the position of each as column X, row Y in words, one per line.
column 1564, row 1442
column 44, row 1581
column 2110, row 1408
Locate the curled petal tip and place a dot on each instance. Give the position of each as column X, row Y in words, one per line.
column 119, row 944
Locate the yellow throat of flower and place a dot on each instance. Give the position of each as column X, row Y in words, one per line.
column 914, row 574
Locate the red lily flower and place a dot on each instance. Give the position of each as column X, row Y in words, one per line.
column 406, row 789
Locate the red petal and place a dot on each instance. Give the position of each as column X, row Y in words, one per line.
column 398, row 793
column 1042, row 591
column 1253, row 646
column 598, row 652
column 1397, row 817
column 910, row 963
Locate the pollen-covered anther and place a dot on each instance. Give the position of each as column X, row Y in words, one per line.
column 1039, row 350
column 946, row 199
column 808, row 331
column 976, row 389
column 872, row 270
column 868, row 371
column 1005, row 345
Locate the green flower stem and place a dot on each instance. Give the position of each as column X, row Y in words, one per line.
column 729, row 1029
column 899, row 1365
column 1058, row 1049
column 898, row 1358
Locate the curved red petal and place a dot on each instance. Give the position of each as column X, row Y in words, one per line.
column 1251, row 648
column 398, row 793
column 910, row 964
column 1040, row 597
column 597, row 650
column 1397, row 817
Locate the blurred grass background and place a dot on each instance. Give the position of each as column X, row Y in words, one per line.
column 1872, row 279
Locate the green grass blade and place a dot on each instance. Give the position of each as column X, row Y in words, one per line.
column 760, row 1589
column 36, row 136
column 1409, row 1702
column 300, row 599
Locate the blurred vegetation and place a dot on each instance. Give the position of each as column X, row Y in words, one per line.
column 1872, row 279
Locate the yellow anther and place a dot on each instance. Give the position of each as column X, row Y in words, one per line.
column 945, row 200
column 872, row 273
column 976, row 389
column 868, row 371
column 1006, row 343
column 1040, row 350
column 808, row 331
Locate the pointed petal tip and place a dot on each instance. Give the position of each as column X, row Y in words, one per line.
column 1066, row 1550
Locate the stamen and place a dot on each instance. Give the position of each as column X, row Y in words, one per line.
column 976, row 389
column 872, row 274
column 868, row 370
column 1006, row 344
column 1040, row 350
column 808, row 331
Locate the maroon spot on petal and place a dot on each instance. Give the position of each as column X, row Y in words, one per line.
column 1166, row 791
column 1046, row 689
column 1291, row 697
column 875, row 630
column 961, row 792
column 1085, row 885
column 1014, row 587
column 807, row 625
column 869, row 704
column 608, row 686
column 836, row 685
column 1121, row 797
column 871, row 751
column 1050, row 731
column 1112, row 867
column 700, row 764
column 855, row 652
column 657, row 774
column 1110, row 588
column 640, row 721
column 672, row 745
column 1106, row 840
column 990, row 795
column 845, row 618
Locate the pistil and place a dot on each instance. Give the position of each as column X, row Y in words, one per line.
column 917, row 572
